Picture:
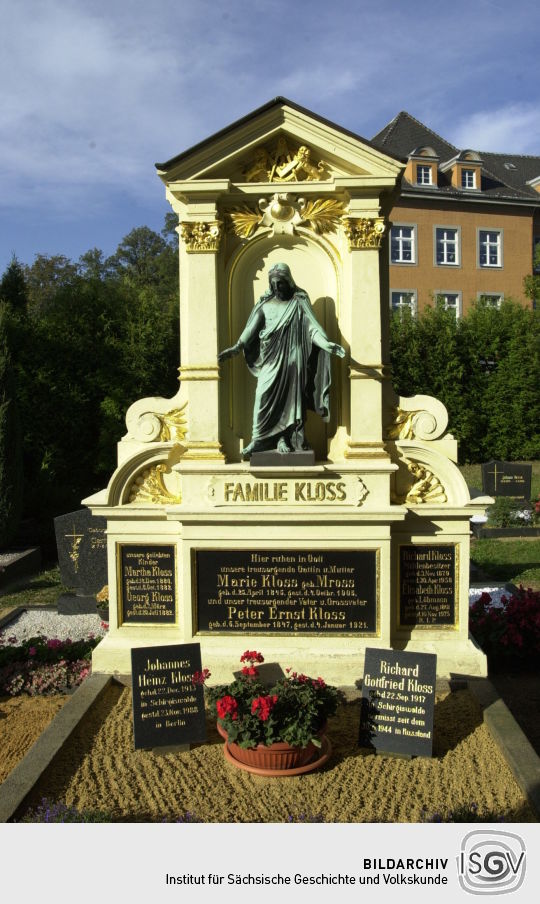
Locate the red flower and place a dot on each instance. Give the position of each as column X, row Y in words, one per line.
column 251, row 656
column 318, row 683
column 200, row 677
column 31, row 651
column 250, row 671
column 227, row 706
column 263, row 706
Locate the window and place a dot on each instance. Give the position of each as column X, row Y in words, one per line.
column 403, row 244
column 450, row 301
column 490, row 247
column 403, row 300
column 423, row 174
column 446, row 246
column 468, row 178
column 491, row 300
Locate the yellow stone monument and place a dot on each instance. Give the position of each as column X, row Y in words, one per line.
column 310, row 561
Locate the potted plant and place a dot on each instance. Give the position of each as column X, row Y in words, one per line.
column 277, row 730
column 102, row 600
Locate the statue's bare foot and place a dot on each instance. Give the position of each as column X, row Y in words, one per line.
column 248, row 450
column 283, row 446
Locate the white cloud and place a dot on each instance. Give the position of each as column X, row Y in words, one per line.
column 95, row 91
column 513, row 128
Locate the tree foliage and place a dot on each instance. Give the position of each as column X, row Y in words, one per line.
column 485, row 368
column 93, row 336
column 11, row 472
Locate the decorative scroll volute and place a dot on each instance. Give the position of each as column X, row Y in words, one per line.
column 364, row 232
column 419, row 417
column 201, row 237
column 153, row 426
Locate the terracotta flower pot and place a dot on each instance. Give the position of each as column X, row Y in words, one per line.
column 277, row 756
column 277, row 759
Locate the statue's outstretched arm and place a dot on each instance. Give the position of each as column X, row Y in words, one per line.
column 322, row 341
column 230, row 352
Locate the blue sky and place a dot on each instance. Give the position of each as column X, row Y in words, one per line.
column 94, row 93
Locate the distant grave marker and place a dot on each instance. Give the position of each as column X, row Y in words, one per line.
column 398, row 700
column 506, row 478
column 82, row 551
column 167, row 708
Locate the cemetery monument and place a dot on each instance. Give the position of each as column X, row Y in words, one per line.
column 305, row 510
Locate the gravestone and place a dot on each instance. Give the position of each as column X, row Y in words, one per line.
column 398, row 699
column 168, row 709
column 346, row 482
column 506, row 478
column 82, row 558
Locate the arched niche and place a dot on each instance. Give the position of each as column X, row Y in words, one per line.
column 314, row 268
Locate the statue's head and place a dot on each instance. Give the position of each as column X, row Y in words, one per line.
column 281, row 282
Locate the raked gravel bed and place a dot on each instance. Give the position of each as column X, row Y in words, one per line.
column 47, row 623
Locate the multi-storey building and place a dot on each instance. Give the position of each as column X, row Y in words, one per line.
column 466, row 224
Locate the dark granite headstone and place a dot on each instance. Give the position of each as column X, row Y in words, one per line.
column 398, row 699
column 506, row 478
column 82, row 551
column 168, row 709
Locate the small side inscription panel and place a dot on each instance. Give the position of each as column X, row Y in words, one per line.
column 427, row 585
column 147, row 584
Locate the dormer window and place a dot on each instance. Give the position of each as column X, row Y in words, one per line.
column 423, row 175
column 465, row 171
column 422, row 166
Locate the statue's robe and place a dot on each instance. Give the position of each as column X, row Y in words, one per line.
column 292, row 370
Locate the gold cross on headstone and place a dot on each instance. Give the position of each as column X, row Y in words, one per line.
column 76, row 542
column 495, row 473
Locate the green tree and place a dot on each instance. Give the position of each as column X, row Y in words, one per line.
column 45, row 277
column 531, row 283
column 11, row 465
column 13, row 289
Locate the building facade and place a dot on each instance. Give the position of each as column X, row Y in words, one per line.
column 466, row 224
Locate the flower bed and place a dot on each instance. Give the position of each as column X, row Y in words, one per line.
column 510, row 632
column 42, row 665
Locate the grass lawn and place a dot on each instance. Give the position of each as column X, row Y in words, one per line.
column 41, row 590
column 513, row 560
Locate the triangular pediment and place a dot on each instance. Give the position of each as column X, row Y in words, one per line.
column 281, row 143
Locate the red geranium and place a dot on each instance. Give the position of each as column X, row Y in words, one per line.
column 263, row 706
column 251, row 656
column 227, row 706
column 250, row 671
column 200, row 677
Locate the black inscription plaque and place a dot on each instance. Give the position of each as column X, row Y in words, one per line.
column 147, row 584
column 427, row 586
column 506, row 478
column 398, row 700
column 286, row 591
column 167, row 708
